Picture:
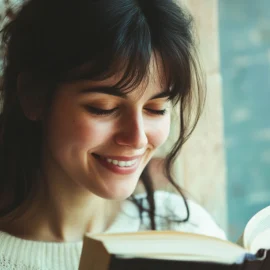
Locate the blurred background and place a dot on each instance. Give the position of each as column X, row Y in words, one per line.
column 244, row 37
column 225, row 165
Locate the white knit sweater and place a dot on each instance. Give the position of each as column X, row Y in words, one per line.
column 19, row 254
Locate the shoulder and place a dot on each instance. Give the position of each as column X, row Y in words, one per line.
column 170, row 206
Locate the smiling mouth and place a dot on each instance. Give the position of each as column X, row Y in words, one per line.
column 117, row 162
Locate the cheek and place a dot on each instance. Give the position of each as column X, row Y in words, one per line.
column 73, row 130
column 87, row 132
column 159, row 131
column 84, row 134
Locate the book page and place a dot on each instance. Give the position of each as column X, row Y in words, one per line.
column 257, row 224
column 261, row 241
column 171, row 244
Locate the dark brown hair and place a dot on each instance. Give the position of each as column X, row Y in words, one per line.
column 54, row 41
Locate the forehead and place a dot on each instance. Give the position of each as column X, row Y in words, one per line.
column 152, row 82
column 155, row 77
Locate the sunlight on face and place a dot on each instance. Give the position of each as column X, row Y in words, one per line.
column 102, row 139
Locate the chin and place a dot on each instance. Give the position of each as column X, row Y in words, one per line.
column 119, row 192
column 120, row 195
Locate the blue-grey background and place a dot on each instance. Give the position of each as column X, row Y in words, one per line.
column 244, row 28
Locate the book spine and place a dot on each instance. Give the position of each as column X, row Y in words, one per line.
column 150, row 264
column 259, row 262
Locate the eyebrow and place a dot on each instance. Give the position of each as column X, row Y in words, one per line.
column 163, row 94
column 114, row 91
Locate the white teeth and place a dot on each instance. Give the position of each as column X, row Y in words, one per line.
column 129, row 163
column 122, row 163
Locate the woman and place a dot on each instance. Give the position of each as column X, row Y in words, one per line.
column 88, row 90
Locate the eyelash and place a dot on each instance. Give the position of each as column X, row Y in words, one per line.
column 158, row 112
column 98, row 111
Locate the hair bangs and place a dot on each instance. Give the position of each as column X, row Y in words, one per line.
column 177, row 67
column 127, row 54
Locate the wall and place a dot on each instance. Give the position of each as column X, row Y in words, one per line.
column 202, row 161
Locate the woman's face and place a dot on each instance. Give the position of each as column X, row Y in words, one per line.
column 101, row 139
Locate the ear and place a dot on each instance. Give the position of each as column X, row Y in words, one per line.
column 29, row 98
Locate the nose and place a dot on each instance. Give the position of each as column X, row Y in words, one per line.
column 132, row 132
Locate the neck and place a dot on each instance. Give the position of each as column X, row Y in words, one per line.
column 64, row 212
column 69, row 215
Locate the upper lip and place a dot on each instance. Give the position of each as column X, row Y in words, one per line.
column 122, row 158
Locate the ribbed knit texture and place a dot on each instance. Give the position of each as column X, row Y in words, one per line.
column 21, row 254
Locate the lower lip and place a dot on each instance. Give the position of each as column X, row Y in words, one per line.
column 117, row 169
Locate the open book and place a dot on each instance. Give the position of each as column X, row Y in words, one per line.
column 178, row 250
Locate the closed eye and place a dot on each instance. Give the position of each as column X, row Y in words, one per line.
column 157, row 112
column 98, row 111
